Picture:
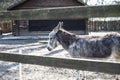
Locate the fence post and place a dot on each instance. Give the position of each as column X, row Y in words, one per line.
column 20, row 66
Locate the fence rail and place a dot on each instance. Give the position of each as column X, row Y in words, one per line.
column 75, row 12
column 79, row 64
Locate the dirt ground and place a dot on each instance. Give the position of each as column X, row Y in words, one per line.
column 11, row 71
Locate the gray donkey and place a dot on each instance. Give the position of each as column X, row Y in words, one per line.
column 85, row 46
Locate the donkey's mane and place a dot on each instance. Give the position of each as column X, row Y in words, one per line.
column 63, row 30
column 65, row 38
column 80, row 36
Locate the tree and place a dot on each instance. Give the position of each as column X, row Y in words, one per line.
column 5, row 3
column 116, row 1
column 101, row 2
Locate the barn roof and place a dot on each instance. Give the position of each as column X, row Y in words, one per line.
column 23, row 1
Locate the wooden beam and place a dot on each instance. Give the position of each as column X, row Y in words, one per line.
column 79, row 64
column 75, row 12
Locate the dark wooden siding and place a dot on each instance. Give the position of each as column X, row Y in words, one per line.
column 31, row 4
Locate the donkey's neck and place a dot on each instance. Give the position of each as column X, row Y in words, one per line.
column 65, row 38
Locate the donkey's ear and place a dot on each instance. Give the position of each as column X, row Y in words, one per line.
column 60, row 24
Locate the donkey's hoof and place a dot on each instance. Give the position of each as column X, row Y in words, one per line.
column 80, row 79
column 116, row 79
column 83, row 79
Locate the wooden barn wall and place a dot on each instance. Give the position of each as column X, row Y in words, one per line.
column 32, row 4
column 20, row 29
column 36, row 27
column 27, row 30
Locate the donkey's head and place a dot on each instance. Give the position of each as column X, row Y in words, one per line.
column 53, row 42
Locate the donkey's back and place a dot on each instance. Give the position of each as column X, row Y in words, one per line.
column 94, row 46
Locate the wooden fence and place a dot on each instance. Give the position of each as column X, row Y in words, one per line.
column 79, row 64
column 63, row 13
column 104, row 25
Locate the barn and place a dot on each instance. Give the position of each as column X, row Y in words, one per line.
column 37, row 27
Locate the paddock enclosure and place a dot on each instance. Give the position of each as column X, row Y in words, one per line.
column 10, row 70
column 74, row 12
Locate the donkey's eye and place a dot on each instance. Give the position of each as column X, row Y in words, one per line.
column 51, row 38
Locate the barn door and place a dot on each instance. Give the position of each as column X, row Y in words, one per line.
column 48, row 25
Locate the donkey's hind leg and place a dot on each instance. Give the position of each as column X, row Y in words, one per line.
column 115, row 55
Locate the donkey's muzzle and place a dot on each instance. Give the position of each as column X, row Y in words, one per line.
column 49, row 48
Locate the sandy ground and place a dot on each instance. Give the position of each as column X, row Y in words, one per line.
column 11, row 71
